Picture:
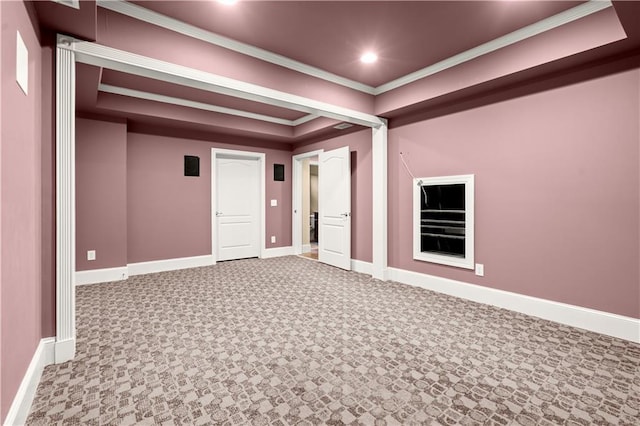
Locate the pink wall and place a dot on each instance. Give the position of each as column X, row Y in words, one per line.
column 20, row 198
column 101, row 191
column 359, row 144
column 169, row 215
column 557, row 191
column 48, row 196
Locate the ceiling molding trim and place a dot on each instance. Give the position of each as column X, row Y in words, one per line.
column 562, row 18
column 304, row 119
column 118, row 60
column 107, row 88
column 71, row 3
column 140, row 13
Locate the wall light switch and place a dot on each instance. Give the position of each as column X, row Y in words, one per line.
column 273, row 238
column 91, row 255
column 480, row 269
column 274, row 203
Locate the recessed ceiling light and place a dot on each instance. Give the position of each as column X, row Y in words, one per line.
column 229, row 2
column 369, row 57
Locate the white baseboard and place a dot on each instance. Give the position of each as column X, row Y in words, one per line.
column 361, row 266
column 95, row 276
column 169, row 264
column 43, row 356
column 306, row 248
column 619, row 326
column 277, row 252
column 64, row 350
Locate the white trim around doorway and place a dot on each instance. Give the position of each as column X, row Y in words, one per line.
column 247, row 155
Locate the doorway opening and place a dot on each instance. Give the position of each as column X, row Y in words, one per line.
column 310, row 207
column 305, row 204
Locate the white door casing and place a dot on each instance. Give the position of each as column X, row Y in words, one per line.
column 334, row 205
column 237, row 204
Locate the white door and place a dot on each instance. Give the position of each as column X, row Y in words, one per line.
column 237, row 208
column 334, row 205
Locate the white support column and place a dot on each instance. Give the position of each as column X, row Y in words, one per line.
column 65, row 347
column 379, row 235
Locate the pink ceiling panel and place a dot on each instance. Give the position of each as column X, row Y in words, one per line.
column 585, row 34
column 331, row 35
column 121, row 32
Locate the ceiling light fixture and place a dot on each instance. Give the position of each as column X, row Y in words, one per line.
column 228, row 2
column 369, row 57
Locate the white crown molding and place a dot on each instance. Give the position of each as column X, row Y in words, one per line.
column 43, row 356
column 524, row 33
column 107, row 88
column 619, row 326
column 304, row 119
column 70, row 3
column 151, row 17
column 163, row 21
column 115, row 59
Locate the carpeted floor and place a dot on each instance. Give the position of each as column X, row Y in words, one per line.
column 291, row 341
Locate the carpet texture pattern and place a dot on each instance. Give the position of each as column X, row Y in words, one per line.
column 290, row 341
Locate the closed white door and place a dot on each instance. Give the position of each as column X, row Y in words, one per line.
column 334, row 205
column 237, row 208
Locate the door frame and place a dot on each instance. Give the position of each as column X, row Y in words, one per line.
column 296, row 188
column 245, row 155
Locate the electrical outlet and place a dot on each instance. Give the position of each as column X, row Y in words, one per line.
column 480, row 269
column 274, row 203
column 91, row 255
column 273, row 239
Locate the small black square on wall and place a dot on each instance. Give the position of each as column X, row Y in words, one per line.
column 278, row 172
column 191, row 165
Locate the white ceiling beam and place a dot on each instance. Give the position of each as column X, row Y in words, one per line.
column 138, row 94
column 118, row 60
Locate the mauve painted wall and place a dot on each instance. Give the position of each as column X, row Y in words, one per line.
column 557, row 191
column 101, row 191
column 359, row 144
column 169, row 215
column 20, row 277
column 48, row 195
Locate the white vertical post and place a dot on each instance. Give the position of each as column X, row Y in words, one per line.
column 379, row 231
column 65, row 347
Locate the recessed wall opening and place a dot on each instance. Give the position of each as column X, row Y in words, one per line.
column 444, row 220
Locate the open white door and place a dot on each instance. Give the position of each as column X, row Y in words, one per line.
column 334, row 205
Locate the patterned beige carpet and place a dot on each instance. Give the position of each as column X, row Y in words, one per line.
column 291, row 341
